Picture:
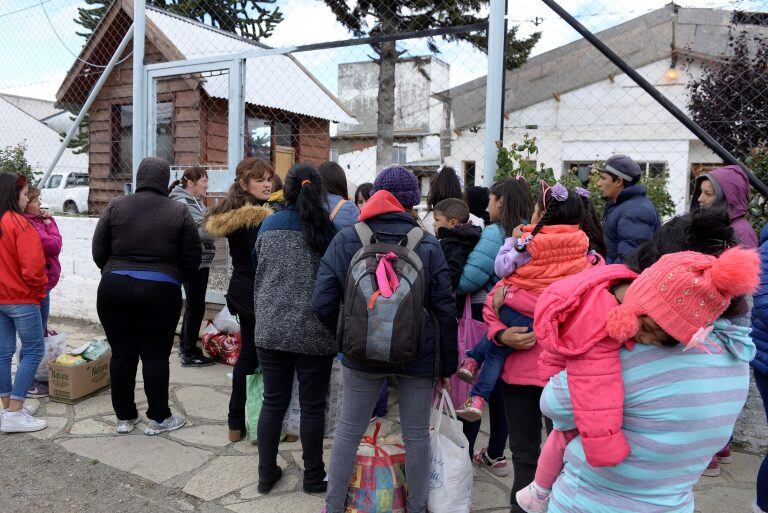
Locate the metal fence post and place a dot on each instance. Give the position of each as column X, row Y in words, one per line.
column 139, row 87
column 494, row 90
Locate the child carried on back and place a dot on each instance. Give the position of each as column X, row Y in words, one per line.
column 551, row 248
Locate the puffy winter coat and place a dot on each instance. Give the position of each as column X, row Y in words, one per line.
column 51, row 241
column 347, row 213
column 760, row 310
column 332, row 277
column 478, row 277
column 629, row 222
column 457, row 243
column 22, row 263
column 570, row 322
column 198, row 210
column 732, row 188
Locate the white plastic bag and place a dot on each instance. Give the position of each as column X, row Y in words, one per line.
column 226, row 322
column 55, row 346
column 450, row 477
column 292, row 419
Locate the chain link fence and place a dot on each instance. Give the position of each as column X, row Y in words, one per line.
column 417, row 100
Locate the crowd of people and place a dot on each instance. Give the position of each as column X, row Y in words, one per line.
column 629, row 340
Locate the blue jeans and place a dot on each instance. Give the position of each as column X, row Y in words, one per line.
column 45, row 309
column 27, row 322
column 761, row 380
column 491, row 356
column 360, row 393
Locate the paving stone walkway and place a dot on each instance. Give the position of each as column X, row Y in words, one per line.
column 199, row 460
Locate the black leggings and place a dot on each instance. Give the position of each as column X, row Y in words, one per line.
column 139, row 319
column 246, row 364
column 524, row 419
column 194, row 311
column 314, row 375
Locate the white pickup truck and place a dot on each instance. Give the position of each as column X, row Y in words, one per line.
column 66, row 192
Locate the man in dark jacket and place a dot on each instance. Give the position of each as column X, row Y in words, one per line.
column 630, row 217
column 395, row 192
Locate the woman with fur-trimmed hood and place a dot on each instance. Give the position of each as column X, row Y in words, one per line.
column 238, row 219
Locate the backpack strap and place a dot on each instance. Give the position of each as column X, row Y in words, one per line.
column 414, row 238
column 364, row 232
column 337, row 208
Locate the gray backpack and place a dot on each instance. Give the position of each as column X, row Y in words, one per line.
column 374, row 329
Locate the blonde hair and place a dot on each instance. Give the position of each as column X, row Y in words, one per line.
column 249, row 168
column 33, row 193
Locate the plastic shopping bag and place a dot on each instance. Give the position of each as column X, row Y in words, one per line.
column 470, row 333
column 226, row 322
column 450, row 479
column 378, row 484
column 221, row 346
column 254, row 400
column 55, row 346
column 292, row 419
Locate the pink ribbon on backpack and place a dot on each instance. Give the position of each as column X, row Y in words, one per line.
column 385, row 274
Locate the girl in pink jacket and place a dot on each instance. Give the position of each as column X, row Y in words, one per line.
column 51, row 239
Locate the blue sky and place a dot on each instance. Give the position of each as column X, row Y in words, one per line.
column 36, row 54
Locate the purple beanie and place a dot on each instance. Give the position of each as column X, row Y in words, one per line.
column 401, row 183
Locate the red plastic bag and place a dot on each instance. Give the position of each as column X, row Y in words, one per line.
column 470, row 333
column 378, row 484
column 221, row 347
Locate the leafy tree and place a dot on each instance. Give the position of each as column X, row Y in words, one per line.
column 248, row 18
column 378, row 17
column 13, row 159
column 520, row 158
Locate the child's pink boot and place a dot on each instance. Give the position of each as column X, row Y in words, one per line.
column 472, row 409
column 533, row 499
column 468, row 370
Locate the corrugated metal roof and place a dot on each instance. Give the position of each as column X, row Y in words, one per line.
column 701, row 33
column 42, row 142
column 276, row 81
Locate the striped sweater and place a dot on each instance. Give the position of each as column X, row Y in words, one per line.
column 679, row 409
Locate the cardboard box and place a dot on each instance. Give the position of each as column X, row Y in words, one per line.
column 72, row 383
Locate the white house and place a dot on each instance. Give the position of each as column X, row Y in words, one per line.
column 581, row 108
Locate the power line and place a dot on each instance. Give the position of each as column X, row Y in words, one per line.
column 10, row 13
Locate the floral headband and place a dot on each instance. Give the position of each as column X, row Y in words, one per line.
column 558, row 192
column 581, row 191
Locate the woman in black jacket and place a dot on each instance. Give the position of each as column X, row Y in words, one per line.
column 238, row 219
column 146, row 246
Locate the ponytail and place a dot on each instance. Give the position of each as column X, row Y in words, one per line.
column 304, row 190
column 192, row 174
column 559, row 206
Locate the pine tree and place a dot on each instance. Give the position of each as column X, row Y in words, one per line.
column 393, row 16
column 247, row 18
column 79, row 142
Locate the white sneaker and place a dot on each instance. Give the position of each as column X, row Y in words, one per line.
column 172, row 423
column 29, row 409
column 126, row 426
column 21, row 422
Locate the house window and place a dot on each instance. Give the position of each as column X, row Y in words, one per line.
column 259, row 138
column 580, row 169
column 334, row 156
column 122, row 150
column 652, row 169
column 469, row 172
column 399, row 155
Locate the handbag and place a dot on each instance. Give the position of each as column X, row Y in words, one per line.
column 470, row 333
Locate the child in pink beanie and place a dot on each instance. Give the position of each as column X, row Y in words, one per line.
column 675, row 301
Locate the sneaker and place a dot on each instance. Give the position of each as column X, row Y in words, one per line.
column 713, row 469
column 37, row 390
column 756, row 508
column 472, row 410
column 195, row 360
column 498, row 467
column 724, row 456
column 172, row 423
column 126, row 426
column 21, row 422
column 533, row 499
column 468, row 370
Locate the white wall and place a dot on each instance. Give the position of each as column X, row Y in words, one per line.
column 75, row 294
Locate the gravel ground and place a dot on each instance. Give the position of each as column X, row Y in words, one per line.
column 36, row 475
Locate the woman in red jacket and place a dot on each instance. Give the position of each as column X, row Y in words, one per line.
column 22, row 288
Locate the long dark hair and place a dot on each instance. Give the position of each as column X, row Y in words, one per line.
column 444, row 186
column 334, row 179
column 364, row 190
column 11, row 185
column 304, row 189
column 516, row 207
column 191, row 174
column 250, row 167
column 592, row 225
column 476, row 198
column 568, row 211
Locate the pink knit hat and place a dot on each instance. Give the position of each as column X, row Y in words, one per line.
column 685, row 292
